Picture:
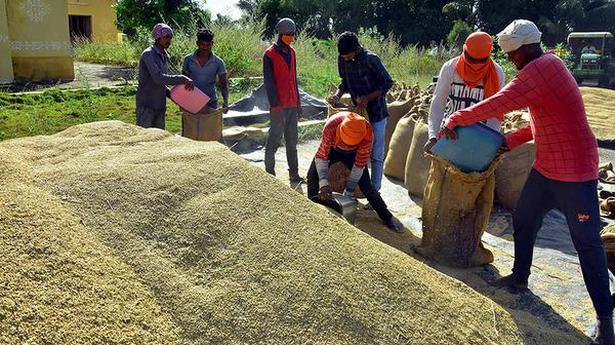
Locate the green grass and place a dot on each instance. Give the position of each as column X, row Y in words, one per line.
column 242, row 49
column 23, row 115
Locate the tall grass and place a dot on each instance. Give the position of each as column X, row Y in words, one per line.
column 241, row 47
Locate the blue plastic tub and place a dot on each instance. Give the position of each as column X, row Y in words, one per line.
column 474, row 150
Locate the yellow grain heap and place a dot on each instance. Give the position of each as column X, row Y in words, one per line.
column 600, row 108
column 114, row 234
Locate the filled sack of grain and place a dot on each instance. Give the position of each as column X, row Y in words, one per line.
column 416, row 169
column 456, row 210
column 511, row 175
column 395, row 161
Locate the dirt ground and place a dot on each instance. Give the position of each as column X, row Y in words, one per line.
column 86, row 75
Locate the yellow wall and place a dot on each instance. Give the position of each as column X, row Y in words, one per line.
column 39, row 38
column 6, row 66
column 103, row 17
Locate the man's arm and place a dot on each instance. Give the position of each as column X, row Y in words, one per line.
column 383, row 81
column 223, row 84
column 520, row 93
column 162, row 78
column 343, row 87
column 186, row 67
column 270, row 82
column 360, row 163
column 297, row 85
column 519, row 137
column 438, row 103
column 322, row 155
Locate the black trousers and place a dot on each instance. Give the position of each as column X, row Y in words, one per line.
column 282, row 124
column 579, row 203
column 347, row 157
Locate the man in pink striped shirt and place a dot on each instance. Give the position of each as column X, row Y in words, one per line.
column 565, row 172
column 348, row 138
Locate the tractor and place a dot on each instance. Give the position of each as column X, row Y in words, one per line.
column 593, row 56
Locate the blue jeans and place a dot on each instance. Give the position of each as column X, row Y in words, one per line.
column 579, row 204
column 378, row 153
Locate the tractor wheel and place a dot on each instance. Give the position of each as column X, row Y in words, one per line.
column 604, row 81
column 579, row 80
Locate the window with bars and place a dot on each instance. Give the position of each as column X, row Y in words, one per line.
column 80, row 27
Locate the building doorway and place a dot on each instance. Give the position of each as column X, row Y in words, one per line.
column 80, row 27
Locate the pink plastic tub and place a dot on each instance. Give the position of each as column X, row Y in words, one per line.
column 193, row 101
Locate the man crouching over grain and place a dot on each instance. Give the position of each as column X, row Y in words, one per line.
column 348, row 138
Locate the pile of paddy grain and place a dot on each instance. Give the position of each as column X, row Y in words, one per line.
column 600, row 108
column 114, row 234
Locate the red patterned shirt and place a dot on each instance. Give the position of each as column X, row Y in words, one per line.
column 566, row 148
column 364, row 149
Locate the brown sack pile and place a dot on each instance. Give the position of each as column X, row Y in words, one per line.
column 417, row 164
column 403, row 133
column 395, row 162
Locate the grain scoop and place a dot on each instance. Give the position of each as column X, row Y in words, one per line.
column 346, row 206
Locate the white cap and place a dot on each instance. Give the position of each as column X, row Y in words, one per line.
column 518, row 33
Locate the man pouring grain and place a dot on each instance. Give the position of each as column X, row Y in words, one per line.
column 348, row 138
column 153, row 78
column 464, row 81
column 565, row 171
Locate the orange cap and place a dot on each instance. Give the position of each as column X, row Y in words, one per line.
column 353, row 129
column 479, row 45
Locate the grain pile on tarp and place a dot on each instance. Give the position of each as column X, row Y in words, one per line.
column 116, row 234
column 456, row 211
column 600, row 108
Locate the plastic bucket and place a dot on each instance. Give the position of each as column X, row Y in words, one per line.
column 475, row 148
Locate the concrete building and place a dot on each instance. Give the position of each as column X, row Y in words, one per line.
column 6, row 62
column 35, row 35
column 93, row 19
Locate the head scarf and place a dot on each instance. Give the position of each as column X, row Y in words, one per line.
column 479, row 45
column 161, row 30
column 353, row 130
column 518, row 33
column 285, row 26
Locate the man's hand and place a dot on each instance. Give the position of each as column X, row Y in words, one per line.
column 449, row 133
column 189, row 85
column 276, row 109
column 335, row 101
column 429, row 145
column 362, row 102
column 325, row 193
column 225, row 108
